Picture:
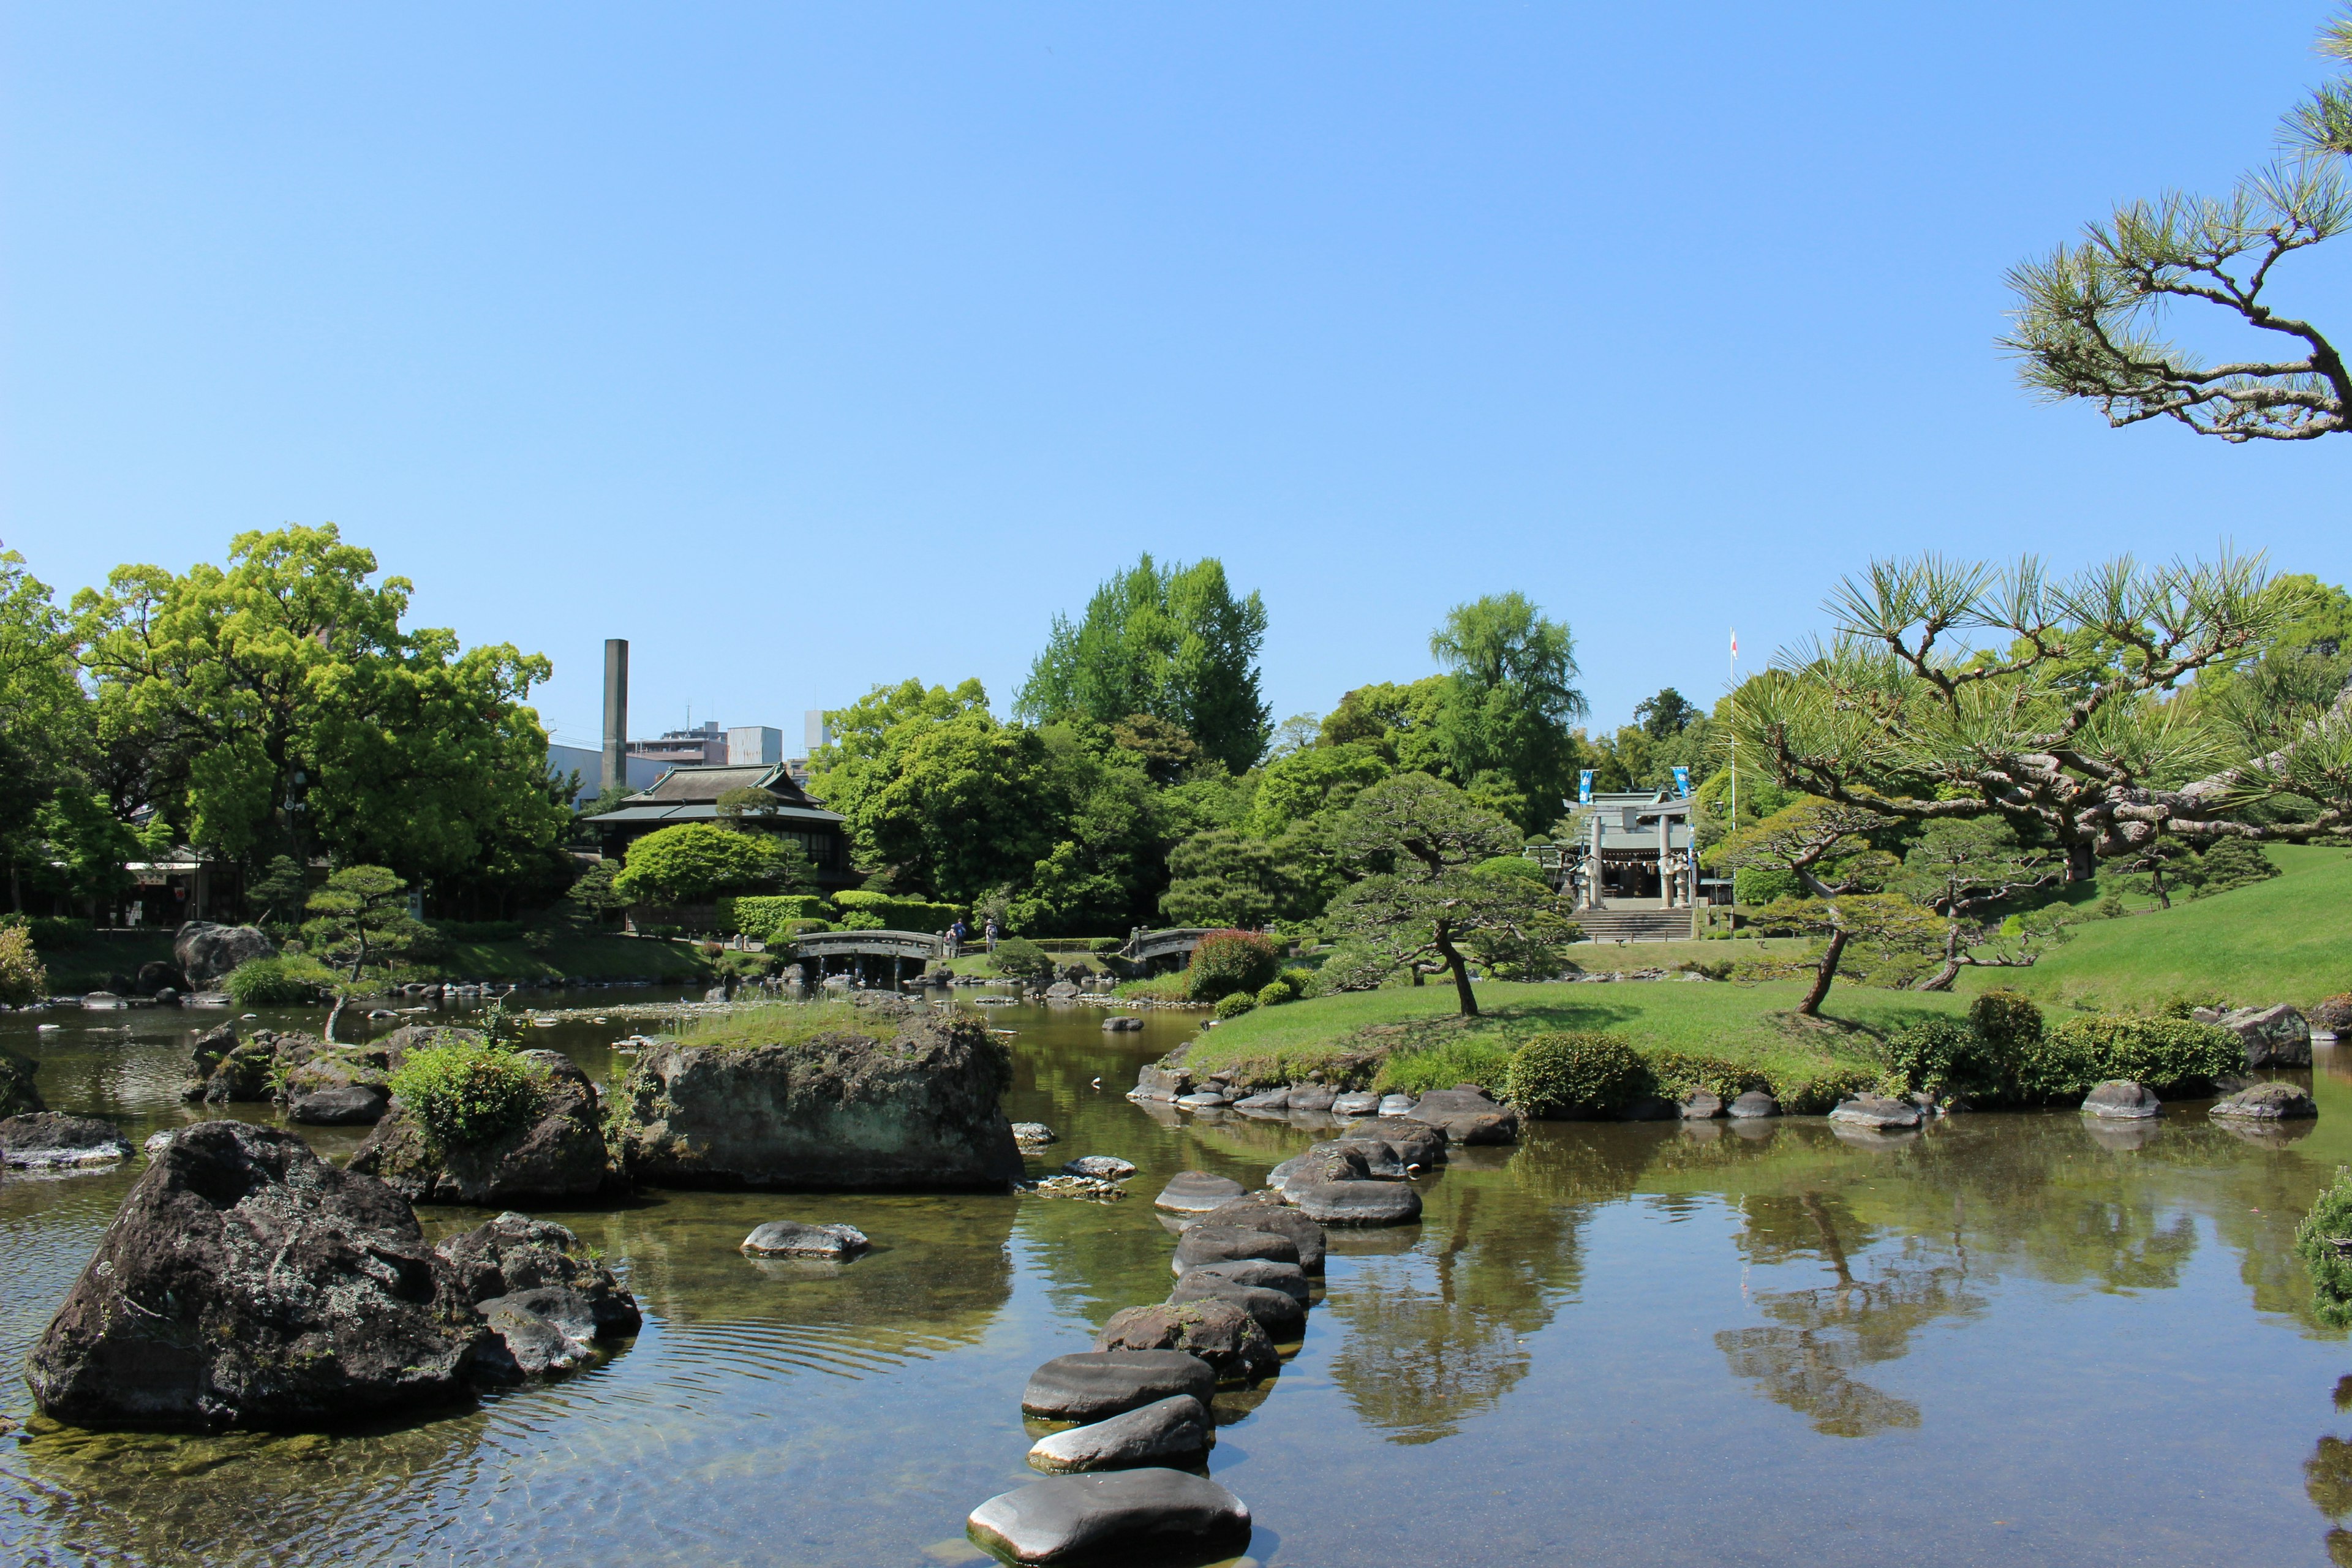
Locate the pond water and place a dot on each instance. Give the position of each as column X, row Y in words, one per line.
column 2008, row 1340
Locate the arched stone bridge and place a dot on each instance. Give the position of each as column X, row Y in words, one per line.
column 822, row 944
column 1176, row 942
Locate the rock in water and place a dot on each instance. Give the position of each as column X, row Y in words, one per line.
column 2275, row 1037
column 17, row 1095
column 1377, row 1155
column 2120, row 1100
column 1101, row 1167
column 1091, row 1385
column 1355, row 1104
column 1218, row 1333
column 1357, row 1203
column 789, row 1238
column 1282, row 1315
column 1166, row 1429
column 534, row 1334
column 50, row 1139
column 1271, row 1099
column 1703, row 1105
column 1310, row 1096
column 1466, row 1115
column 1196, row 1192
column 1160, row 1083
column 1034, row 1134
column 1415, row 1142
column 1118, row 1515
column 204, row 952
column 1269, row 1214
column 246, row 1282
column 914, row 1108
column 1263, row 1273
column 2266, row 1102
column 559, row 1153
column 1753, row 1103
column 515, row 1254
column 1877, row 1113
column 1205, row 1243
column 340, row 1086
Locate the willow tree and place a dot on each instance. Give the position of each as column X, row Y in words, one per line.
column 1947, row 689
column 2089, row 315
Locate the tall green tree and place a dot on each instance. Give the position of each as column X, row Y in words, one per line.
column 1173, row 643
column 1505, row 728
column 46, row 721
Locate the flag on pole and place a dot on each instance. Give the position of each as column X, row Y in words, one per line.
column 1734, row 642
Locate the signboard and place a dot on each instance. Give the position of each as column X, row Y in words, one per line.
column 1682, row 783
column 1584, row 787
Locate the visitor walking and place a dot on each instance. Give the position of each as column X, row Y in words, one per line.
column 990, row 936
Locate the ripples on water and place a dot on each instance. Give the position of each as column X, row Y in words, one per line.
column 2014, row 1338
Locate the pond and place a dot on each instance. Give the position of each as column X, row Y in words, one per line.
column 2008, row 1340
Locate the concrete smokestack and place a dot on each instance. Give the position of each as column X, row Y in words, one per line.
column 616, row 713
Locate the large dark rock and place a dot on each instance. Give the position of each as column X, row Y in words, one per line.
column 339, row 1086
column 1466, row 1116
column 913, row 1108
column 1265, row 1212
column 1218, row 1333
column 17, row 1095
column 1174, row 1429
column 2121, row 1100
column 226, row 1070
column 1205, row 1243
column 1119, row 1516
column 155, row 976
column 1415, row 1142
column 50, row 1139
column 204, row 952
column 1380, row 1160
column 1357, row 1203
column 1875, row 1112
column 351, row 1105
column 559, row 1153
column 1311, row 1097
column 1196, row 1192
column 2265, row 1102
column 790, row 1238
column 1281, row 1314
column 1091, row 1385
column 2275, row 1037
column 246, row 1282
column 1269, row 1273
column 1160, row 1083
column 1315, row 1169
column 534, row 1334
column 516, row 1254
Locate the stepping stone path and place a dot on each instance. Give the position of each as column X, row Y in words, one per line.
column 1219, row 1332
column 1282, row 1315
column 2263, row 1102
column 1121, row 1513
column 1415, row 1142
column 790, row 1238
column 1197, row 1191
column 1172, row 1428
column 1093, row 1384
column 1205, row 1244
column 1466, row 1115
column 1260, row 1272
column 2121, row 1100
column 1102, row 1167
column 1252, row 1214
column 1357, row 1203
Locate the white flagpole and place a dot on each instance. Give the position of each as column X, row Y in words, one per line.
column 1733, row 671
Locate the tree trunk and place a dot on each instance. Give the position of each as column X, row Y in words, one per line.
column 1810, row 1007
column 333, row 1014
column 2081, row 864
column 1461, row 972
column 1942, row 979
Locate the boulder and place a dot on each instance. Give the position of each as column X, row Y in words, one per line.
column 1115, row 1516
column 1271, row 1099
column 248, row 1282
column 1173, row 1428
column 2276, row 1037
column 1034, row 1134
column 907, row 1107
column 1196, row 1192
column 790, row 1238
column 1702, row 1105
column 1877, row 1113
column 1061, row 991
column 1378, row 1157
column 1752, row 1104
column 1415, row 1142
column 1268, row 1273
column 1396, row 1105
column 1357, row 1203
column 1092, row 1384
column 1121, row 1025
column 1162, row 1083
column 1355, row 1104
column 1281, row 1314
column 204, row 951
column 1218, row 1333
column 1331, row 1166
column 17, row 1095
column 155, row 976
column 2121, row 1100
column 1310, row 1096
column 1101, row 1167
column 534, row 1334
column 1266, row 1212
column 44, row 1140
column 102, row 1001
column 1466, row 1116
column 349, row 1105
column 558, row 1154
column 514, row 1254
column 2265, row 1102
column 1205, row 1244
column 1202, row 1100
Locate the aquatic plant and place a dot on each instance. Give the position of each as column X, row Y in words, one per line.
column 1567, row 1073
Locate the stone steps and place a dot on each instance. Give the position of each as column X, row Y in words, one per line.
column 1635, row 925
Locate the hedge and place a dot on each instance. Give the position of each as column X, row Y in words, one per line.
column 896, row 914
column 758, row 917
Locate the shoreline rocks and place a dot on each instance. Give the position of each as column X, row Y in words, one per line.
column 50, row 1139
column 2266, row 1102
column 1875, row 1112
column 2121, row 1100
column 2274, row 1037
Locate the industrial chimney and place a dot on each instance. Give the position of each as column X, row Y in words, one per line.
column 616, row 713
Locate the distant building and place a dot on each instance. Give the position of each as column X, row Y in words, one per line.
column 589, row 765
column 690, row 793
column 702, row 746
column 1633, row 849
column 755, row 745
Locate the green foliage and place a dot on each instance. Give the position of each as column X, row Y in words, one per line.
column 1681, row 1074
column 695, row 862
column 2171, row 1056
column 896, row 914
column 1943, row 1056
column 284, row 982
column 1170, row 643
column 2182, row 1004
column 277, row 895
column 764, row 917
column 1174, row 986
column 1227, row 961
column 1275, row 993
column 464, row 1095
column 2323, row 1242
column 2010, row 1023
column 24, row 979
column 1480, row 1060
column 362, row 914
column 1301, row 786
column 1576, row 1074
column 1513, row 865
column 1023, row 959
column 1504, row 726
column 1234, row 1003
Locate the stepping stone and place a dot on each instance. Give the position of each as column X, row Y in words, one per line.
column 1265, row 1273
column 1753, row 1103
column 1250, row 1213
column 1034, row 1134
column 2263, row 1102
column 1380, row 1156
column 790, row 1238
column 1877, row 1113
column 1197, row 1191
column 1121, row 1513
column 1357, row 1203
column 1172, row 1428
column 1396, row 1105
column 1354, row 1105
column 1102, row 1167
column 1093, row 1384
column 2121, row 1100
column 1272, row 1099
column 1282, row 1315
column 1205, row 1244
column 1310, row 1096
column 1415, row 1142
column 1219, row 1332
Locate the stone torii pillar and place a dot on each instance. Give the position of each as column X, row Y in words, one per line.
column 1666, row 858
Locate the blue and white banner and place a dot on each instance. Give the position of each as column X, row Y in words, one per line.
column 1682, row 783
column 1584, row 787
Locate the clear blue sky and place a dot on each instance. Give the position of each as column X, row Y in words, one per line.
column 811, row 346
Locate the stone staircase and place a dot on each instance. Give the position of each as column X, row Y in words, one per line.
column 1635, row 925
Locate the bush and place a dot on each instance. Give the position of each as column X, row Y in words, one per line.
column 1275, row 993
column 465, row 1094
column 2008, row 1023
column 1681, row 1074
column 1230, row 961
column 1023, row 959
column 2182, row 1004
column 1234, row 1004
column 1480, row 1059
column 892, row 912
column 280, row 982
column 1576, row 1074
column 698, row 860
column 2324, row 1241
column 863, row 920
column 760, row 917
column 2335, row 1015
column 2171, row 1056
column 22, row 977
column 1945, row 1056
column 53, row 931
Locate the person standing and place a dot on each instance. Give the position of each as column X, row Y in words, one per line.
column 990, row 931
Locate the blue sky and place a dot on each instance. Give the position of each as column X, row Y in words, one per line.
column 809, row 347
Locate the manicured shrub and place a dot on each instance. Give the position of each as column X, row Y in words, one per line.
column 1023, row 959
column 1230, row 961
column 2171, row 1056
column 2334, row 1015
column 2324, row 1241
column 1273, row 993
column 2008, row 1022
column 1944, row 1055
column 759, row 917
column 695, row 862
column 22, row 977
column 465, row 1094
column 894, row 912
column 1234, row 1004
column 283, row 982
column 1681, row 1074
column 1576, row 1075
column 863, row 920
